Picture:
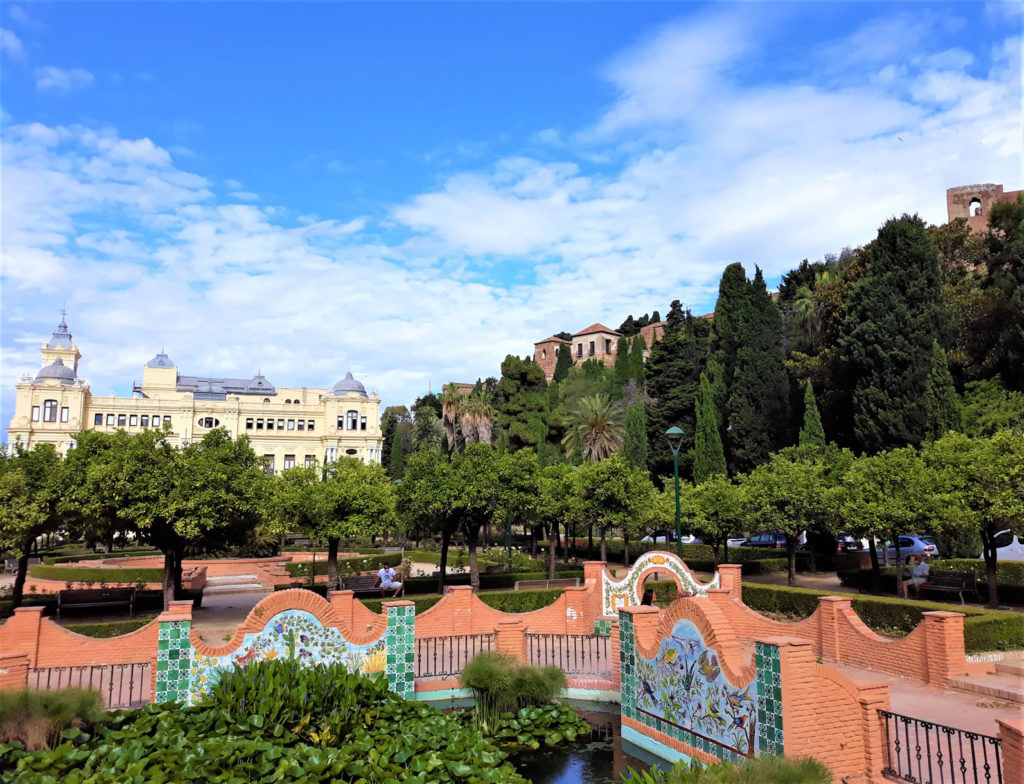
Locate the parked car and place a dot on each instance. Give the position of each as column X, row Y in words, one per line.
column 736, row 541
column 911, row 545
column 664, row 537
column 1009, row 547
column 847, row 544
column 773, row 540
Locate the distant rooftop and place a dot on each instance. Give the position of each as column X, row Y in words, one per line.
column 595, row 328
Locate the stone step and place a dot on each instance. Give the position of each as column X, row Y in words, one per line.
column 1001, row 685
column 1011, row 667
column 236, row 588
column 232, row 578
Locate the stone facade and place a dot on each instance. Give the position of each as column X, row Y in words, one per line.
column 287, row 426
column 595, row 342
column 975, row 201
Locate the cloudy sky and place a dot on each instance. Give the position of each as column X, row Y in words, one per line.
column 413, row 191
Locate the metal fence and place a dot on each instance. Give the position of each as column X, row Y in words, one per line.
column 923, row 752
column 122, row 685
column 444, row 657
column 575, row 654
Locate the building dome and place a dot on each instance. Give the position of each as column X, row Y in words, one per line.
column 58, row 371
column 161, row 360
column 348, row 386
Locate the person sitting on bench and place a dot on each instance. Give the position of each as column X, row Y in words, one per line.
column 918, row 577
column 388, row 581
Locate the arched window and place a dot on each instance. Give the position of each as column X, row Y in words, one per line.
column 289, row 400
column 975, row 207
column 209, row 422
column 296, row 402
column 266, row 400
column 49, row 410
column 351, row 420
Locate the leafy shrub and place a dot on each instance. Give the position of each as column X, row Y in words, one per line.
column 530, row 728
column 90, row 556
column 503, row 685
column 516, row 561
column 423, row 602
column 760, row 770
column 36, row 719
column 362, row 563
column 109, row 629
column 82, row 574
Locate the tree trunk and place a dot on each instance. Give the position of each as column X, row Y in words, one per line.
column 179, row 557
column 552, row 550
column 991, row 570
column 876, row 572
column 625, row 548
column 725, row 549
column 590, row 542
column 18, row 590
column 899, row 564
column 332, row 563
column 168, row 578
column 791, row 555
column 604, row 547
column 446, row 539
column 533, row 544
column 474, row 565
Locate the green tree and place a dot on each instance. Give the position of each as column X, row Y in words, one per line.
column 451, row 408
column 28, row 484
column 621, row 373
column 634, row 443
column 726, row 338
column 989, row 407
column 1006, row 274
column 516, row 499
column 943, row 409
column 758, row 405
column 558, row 504
column 981, row 487
column 635, row 366
column 428, row 432
column 522, row 403
column 717, row 512
column 615, row 495
column 812, row 433
column 595, row 429
column 477, row 418
column 894, row 316
column 427, row 502
column 396, row 460
column 396, row 428
column 563, row 363
column 709, row 456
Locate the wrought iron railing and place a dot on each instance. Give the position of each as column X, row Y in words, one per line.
column 122, row 685
column 923, row 752
column 444, row 657
column 575, row 654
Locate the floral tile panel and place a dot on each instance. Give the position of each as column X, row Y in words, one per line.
column 290, row 634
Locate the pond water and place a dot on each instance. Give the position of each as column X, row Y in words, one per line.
column 603, row 759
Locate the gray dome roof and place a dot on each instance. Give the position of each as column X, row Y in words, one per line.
column 57, row 370
column 348, row 386
column 161, row 360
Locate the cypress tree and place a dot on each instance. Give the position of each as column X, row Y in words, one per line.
column 812, row 433
column 621, row 362
column 396, row 460
column 758, row 404
column 563, row 364
column 709, row 456
column 636, row 358
column 634, row 444
column 725, row 328
column 942, row 404
column 895, row 314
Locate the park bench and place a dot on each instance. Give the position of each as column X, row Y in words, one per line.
column 96, row 597
column 362, row 585
column 540, row 585
column 953, row 582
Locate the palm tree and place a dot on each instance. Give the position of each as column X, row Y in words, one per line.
column 451, row 404
column 476, row 419
column 595, row 428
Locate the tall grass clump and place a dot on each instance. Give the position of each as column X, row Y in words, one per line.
column 759, row 770
column 500, row 684
column 36, row 719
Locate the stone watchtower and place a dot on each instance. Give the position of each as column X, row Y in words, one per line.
column 974, row 202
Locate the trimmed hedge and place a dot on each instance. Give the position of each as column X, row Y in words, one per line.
column 362, row 563
column 144, row 600
column 111, row 629
column 86, row 574
column 984, row 630
column 63, row 559
column 1010, row 576
column 497, row 581
column 505, row 601
column 424, row 556
column 1009, row 573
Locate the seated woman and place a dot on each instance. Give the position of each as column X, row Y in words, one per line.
column 918, row 577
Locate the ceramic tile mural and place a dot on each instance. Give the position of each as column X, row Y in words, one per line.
column 683, row 693
column 602, row 628
column 293, row 634
column 401, row 650
column 616, row 594
column 174, row 661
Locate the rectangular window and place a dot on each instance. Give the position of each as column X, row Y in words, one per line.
column 133, row 420
column 280, row 424
column 310, row 461
column 248, row 424
column 579, row 349
column 289, row 462
column 110, row 420
column 49, row 410
column 167, row 420
column 351, row 420
column 259, row 424
column 310, row 424
column 607, row 347
column 97, row 419
column 145, row 420
column 268, row 463
column 332, row 454
column 270, row 424
column 35, row 413
column 122, row 420
column 341, row 423
column 362, row 423
column 64, row 413
column 591, row 347
column 291, row 424
column 302, row 424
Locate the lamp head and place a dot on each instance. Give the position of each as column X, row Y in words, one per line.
column 675, row 438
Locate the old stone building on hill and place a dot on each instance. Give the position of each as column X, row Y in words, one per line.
column 975, row 201
column 595, row 342
column 287, row 426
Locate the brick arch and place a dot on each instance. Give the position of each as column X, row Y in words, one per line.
column 713, row 626
column 652, row 562
column 267, row 608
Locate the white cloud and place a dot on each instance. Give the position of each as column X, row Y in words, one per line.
column 11, row 45
column 244, row 196
column 50, row 77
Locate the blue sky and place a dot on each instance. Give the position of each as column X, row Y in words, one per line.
column 411, row 191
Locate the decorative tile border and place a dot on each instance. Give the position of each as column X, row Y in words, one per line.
column 602, row 628
column 400, row 647
column 626, row 592
column 174, row 661
column 769, row 699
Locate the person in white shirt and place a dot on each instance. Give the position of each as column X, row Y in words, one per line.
column 388, row 580
column 918, row 577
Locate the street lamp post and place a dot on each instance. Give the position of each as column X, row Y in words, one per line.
column 675, row 440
